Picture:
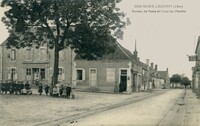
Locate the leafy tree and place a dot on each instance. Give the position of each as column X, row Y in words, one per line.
column 175, row 79
column 185, row 81
column 90, row 27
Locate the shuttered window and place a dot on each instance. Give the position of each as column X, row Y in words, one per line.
column 80, row 74
column 13, row 54
column 110, row 74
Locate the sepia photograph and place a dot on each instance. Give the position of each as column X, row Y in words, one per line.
column 99, row 63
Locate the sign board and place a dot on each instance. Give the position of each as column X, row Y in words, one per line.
column 192, row 58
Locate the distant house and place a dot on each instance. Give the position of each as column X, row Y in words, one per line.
column 165, row 76
column 32, row 64
column 156, row 79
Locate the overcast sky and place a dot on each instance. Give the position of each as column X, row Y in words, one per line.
column 164, row 38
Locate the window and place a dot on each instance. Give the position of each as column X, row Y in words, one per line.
column 42, row 74
column 61, row 74
column 62, row 54
column 80, row 74
column 43, row 54
column 110, row 74
column 60, row 71
column 13, row 71
column 28, row 71
column 12, row 74
column 13, row 54
column 123, row 72
column 28, row 54
column 28, row 74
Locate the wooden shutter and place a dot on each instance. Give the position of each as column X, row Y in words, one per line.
column 83, row 74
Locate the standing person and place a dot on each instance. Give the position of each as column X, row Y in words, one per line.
column 3, row 88
column 15, row 87
column 64, row 94
column 51, row 90
column 73, row 93
column 68, row 91
column 6, row 86
column 21, row 86
column 12, row 87
column 61, row 90
column 37, row 82
column 120, row 87
column 55, row 91
column 1, row 85
column 46, row 89
column 27, row 86
column 18, row 89
column 40, row 89
column 58, row 88
column 116, row 89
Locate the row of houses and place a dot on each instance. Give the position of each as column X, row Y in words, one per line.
column 196, row 69
column 121, row 68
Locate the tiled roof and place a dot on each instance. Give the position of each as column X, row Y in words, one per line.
column 197, row 45
column 120, row 53
column 3, row 43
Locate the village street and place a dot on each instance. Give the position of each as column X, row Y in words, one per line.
column 144, row 108
column 174, row 108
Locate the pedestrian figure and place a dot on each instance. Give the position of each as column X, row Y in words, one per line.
column 21, row 86
column 64, row 94
column 17, row 88
column 40, row 89
column 120, row 87
column 11, row 87
column 116, row 89
column 46, row 89
column 1, row 84
column 51, row 90
column 68, row 91
column 55, row 91
column 73, row 93
column 61, row 90
column 6, row 87
column 3, row 88
column 27, row 86
column 37, row 82
column 58, row 88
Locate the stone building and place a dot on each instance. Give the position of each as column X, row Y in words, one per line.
column 196, row 70
column 165, row 76
column 32, row 64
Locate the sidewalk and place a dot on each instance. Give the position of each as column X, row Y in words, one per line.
column 192, row 112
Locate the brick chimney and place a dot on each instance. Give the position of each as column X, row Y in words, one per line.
column 147, row 62
column 135, row 53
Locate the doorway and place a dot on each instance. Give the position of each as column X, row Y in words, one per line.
column 93, row 77
column 123, row 80
column 35, row 74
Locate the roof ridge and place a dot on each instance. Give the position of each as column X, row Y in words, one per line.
column 121, row 47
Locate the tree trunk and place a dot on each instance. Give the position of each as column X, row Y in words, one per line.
column 56, row 64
